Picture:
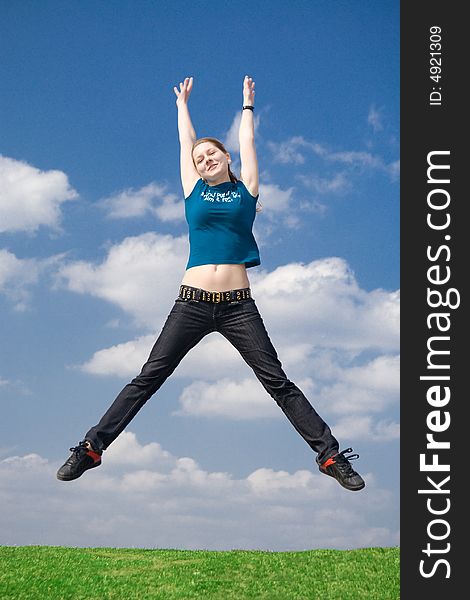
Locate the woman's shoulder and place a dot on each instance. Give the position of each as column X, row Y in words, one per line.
column 241, row 186
column 197, row 186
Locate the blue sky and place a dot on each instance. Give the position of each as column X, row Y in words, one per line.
column 93, row 247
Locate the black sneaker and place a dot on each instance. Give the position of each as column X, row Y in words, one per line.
column 339, row 467
column 83, row 457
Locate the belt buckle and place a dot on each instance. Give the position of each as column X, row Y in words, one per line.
column 217, row 297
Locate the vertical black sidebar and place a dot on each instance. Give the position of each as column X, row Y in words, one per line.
column 435, row 239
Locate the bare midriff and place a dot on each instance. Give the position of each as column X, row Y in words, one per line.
column 217, row 278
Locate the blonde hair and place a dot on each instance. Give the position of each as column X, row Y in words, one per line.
column 218, row 144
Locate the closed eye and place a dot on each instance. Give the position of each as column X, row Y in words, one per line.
column 210, row 152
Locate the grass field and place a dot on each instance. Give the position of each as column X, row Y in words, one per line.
column 53, row 573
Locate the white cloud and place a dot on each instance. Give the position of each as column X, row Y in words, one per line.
column 282, row 207
column 275, row 200
column 237, row 400
column 31, row 198
column 362, row 160
column 374, row 119
column 394, row 169
column 231, row 138
column 322, row 324
column 355, row 395
column 266, row 482
column 151, row 199
column 143, row 496
column 126, row 359
column 140, row 275
column 369, row 388
column 123, row 359
column 15, row 387
column 202, row 361
column 360, row 428
column 288, row 152
column 381, row 374
column 339, row 391
column 18, row 276
column 129, row 453
column 322, row 302
column 318, row 303
column 338, row 182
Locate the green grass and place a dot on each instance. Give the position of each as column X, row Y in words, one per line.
column 53, row 573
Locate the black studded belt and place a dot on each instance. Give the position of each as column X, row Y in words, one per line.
column 191, row 293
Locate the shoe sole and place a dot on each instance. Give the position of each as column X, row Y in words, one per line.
column 71, row 478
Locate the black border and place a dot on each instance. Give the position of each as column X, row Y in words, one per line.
column 426, row 128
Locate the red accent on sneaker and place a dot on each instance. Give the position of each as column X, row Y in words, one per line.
column 94, row 455
column 327, row 463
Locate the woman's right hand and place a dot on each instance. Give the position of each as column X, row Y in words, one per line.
column 182, row 95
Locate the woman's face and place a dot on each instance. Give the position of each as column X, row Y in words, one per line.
column 211, row 163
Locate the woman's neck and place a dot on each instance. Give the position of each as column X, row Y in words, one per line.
column 218, row 180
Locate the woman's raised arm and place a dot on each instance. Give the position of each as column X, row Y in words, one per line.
column 248, row 159
column 187, row 136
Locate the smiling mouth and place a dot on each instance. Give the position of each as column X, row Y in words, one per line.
column 211, row 167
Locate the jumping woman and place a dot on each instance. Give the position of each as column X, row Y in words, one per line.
column 215, row 295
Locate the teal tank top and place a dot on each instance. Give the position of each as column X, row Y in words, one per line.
column 220, row 219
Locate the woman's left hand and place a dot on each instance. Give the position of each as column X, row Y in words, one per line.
column 248, row 91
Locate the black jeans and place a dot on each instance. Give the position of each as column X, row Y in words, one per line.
column 240, row 322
